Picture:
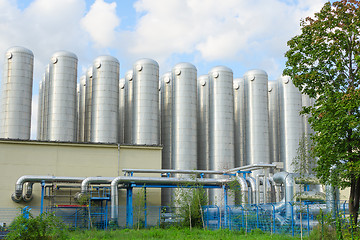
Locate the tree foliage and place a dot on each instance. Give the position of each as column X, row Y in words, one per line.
column 324, row 63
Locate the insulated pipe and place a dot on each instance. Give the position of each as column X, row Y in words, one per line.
column 252, row 183
column 244, row 188
column 93, row 180
column 276, row 188
column 27, row 197
column 157, row 181
column 17, row 195
column 288, row 180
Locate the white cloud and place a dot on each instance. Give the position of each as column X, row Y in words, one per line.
column 100, row 22
column 235, row 30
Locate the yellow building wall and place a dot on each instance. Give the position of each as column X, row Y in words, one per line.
column 18, row 158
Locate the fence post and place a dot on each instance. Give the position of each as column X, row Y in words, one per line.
column 273, row 217
column 145, row 209
column 225, row 206
column 257, row 216
column 308, row 220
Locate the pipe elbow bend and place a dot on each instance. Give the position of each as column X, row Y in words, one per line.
column 16, row 198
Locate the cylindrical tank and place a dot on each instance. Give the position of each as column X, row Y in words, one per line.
column 62, row 97
column 77, row 112
column 81, row 114
column 184, row 121
column 88, row 104
column 146, row 102
column 290, row 122
column 39, row 111
column 221, row 125
column 203, row 122
column 239, row 118
column 46, row 103
column 121, row 116
column 274, row 117
column 16, row 94
column 105, row 100
column 166, row 129
column 307, row 131
column 129, row 98
column 257, row 119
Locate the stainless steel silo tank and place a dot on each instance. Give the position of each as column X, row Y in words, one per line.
column 16, row 94
column 46, row 103
column 257, row 118
column 203, row 122
column 307, row 131
column 239, row 120
column 184, row 117
column 39, row 124
column 105, row 100
column 290, row 122
column 274, row 118
column 121, row 116
column 62, row 97
column 166, row 130
column 88, row 104
column 129, row 98
column 81, row 114
column 77, row 112
column 145, row 102
column 221, row 125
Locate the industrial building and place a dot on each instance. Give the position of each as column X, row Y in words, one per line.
column 213, row 126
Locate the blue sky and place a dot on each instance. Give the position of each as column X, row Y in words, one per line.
column 240, row 34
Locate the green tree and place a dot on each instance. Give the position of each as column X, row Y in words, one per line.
column 324, row 63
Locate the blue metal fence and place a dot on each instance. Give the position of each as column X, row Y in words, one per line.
column 290, row 218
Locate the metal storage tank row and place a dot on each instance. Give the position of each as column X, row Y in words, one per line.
column 81, row 113
column 121, row 113
column 129, row 96
column 16, row 94
column 88, row 104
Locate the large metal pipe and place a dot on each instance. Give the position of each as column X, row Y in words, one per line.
column 288, row 181
column 244, row 189
column 94, row 180
column 156, row 181
column 16, row 94
column 252, row 184
column 17, row 195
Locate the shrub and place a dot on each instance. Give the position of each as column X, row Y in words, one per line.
column 44, row 226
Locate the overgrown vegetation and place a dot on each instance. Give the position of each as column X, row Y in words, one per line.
column 44, row 226
column 175, row 234
column 189, row 204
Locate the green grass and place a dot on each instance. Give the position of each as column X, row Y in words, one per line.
column 174, row 234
